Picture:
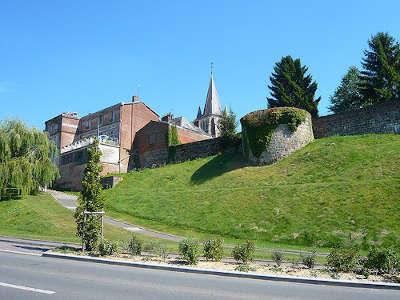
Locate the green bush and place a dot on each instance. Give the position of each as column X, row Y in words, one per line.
column 244, row 253
column 277, row 257
column 107, row 248
column 343, row 259
column 308, row 259
column 189, row 250
column 135, row 245
column 243, row 268
column 213, row 249
column 162, row 252
column 383, row 260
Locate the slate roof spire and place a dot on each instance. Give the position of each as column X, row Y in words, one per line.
column 199, row 113
column 212, row 106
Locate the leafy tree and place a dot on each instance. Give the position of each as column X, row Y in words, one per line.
column 347, row 96
column 25, row 158
column 227, row 123
column 292, row 86
column 380, row 79
column 90, row 199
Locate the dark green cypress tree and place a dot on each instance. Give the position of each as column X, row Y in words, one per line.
column 90, row 199
column 292, row 86
column 347, row 96
column 380, row 79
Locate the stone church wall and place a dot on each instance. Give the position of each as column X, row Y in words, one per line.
column 195, row 150
column 384, row 118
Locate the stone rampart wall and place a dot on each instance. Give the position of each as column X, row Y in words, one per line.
column 384, row 118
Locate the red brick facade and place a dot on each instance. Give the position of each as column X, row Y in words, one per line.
column 133, row 128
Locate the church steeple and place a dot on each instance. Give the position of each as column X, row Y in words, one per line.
column 199, row 114
column 212, row 106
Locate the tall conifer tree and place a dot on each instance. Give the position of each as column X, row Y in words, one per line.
column 380, row 79
column 292, row 86
column 347, row 96
column 90, row 199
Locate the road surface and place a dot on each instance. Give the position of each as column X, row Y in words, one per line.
column 24, row 274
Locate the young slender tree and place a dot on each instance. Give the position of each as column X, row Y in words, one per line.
column 380, row 78
column 25, row 158
column 90, row 199
column 347, row 96
column 227, row 123
column 292, row 86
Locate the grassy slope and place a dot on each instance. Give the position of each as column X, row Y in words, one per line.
column 41, row 217
column 333, row 188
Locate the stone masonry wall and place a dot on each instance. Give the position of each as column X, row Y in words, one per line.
column 195, row 150
column 284, row 142
column 384, row 118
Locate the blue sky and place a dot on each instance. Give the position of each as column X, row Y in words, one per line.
column 83, row 56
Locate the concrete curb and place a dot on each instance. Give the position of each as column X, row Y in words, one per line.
column 331, row 282
column 35, row 242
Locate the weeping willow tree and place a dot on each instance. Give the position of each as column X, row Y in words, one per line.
column 25, row 159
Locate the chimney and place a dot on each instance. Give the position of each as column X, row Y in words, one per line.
column 167, row 118
column 135, row 99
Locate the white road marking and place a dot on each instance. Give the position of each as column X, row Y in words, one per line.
column 20, row 252
column 26, row 288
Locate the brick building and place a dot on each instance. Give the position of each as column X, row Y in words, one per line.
column 127, row 132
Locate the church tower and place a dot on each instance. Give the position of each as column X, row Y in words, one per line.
column 209, row 119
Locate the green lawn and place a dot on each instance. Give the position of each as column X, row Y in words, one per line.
column 41, row 217
column 332, row 189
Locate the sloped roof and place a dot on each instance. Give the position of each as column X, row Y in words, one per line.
column 212, row 106
column 185, row 123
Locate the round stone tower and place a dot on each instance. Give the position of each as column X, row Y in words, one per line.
column 271, row 134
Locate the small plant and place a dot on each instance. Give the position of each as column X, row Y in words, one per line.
column 162, row 252
column 107, row 248
column 244, row 253
column 242, row 268
column 135, row 245
column 382, row 260
column 189, row 250
column 149, row 247
column 308, row 259
column 213, row 249
column 343, row 259
column 277, row 257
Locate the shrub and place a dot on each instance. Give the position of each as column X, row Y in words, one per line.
column 162, row 251
column 213, row 249
column 149, row 247
column 244, row 253
column 383, row 260
column 343, row 259
column 308, row 259
column 189, row 250
column 277, row 257
column 107, row 248
column 135, row 245
column 242, row 268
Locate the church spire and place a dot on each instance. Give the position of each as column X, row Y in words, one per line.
column 212, row 106
column 199, row 114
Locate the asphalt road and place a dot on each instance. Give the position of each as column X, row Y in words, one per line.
column 27, row 275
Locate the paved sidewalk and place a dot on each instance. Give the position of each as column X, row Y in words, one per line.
column 69, row 201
